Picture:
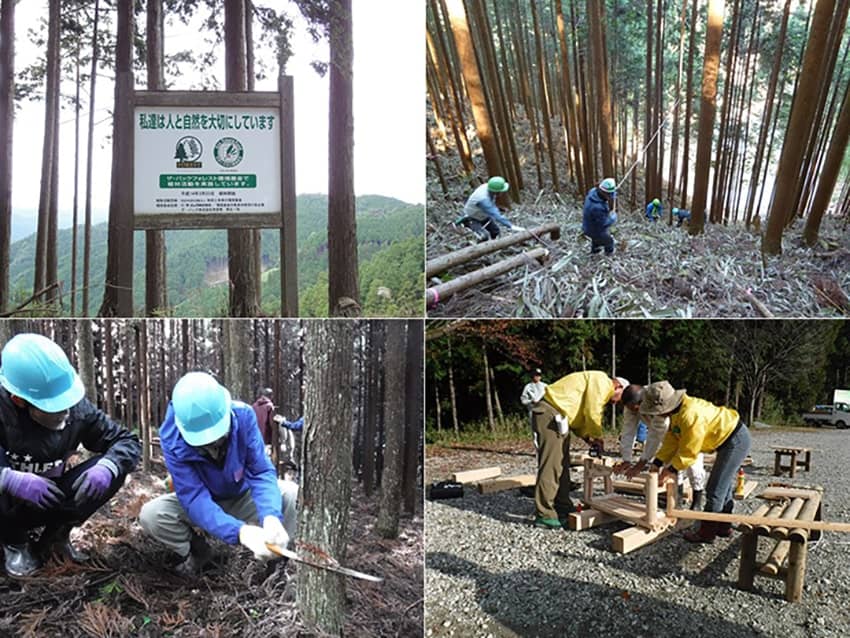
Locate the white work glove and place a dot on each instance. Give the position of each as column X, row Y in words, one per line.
column 275, row 532
column 563, row 424
column 517, row 228
column 254, row 538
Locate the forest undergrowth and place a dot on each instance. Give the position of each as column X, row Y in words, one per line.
column 657, row 270
column 129, row 589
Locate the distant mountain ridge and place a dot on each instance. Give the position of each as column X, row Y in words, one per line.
column 195, row 257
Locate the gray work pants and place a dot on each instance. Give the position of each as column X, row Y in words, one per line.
column 165, row 519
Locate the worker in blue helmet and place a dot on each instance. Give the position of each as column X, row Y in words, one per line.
column 44, row 417
column 599, row 215
column 681, row 216
column 481, row 213
column 223, row 481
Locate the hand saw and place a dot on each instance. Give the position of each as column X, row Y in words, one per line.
column 339, row 569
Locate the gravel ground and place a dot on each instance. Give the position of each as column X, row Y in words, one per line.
column 490, row 573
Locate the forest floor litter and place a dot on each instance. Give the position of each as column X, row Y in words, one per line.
column 657, row 271
column 492, row 574
column 129, row 589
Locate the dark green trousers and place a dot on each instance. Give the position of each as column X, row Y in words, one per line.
column 552, row 492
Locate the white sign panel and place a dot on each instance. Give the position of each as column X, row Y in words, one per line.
column 215, row 160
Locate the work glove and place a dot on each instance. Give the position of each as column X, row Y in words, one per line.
column 613, row 217
column 563, row 424
column 94, row 482
column 26, row 486
column 254, row 538
column 275, row 532
column 517, row 228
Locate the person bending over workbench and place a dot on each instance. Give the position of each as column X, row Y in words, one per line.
column 699, row 426
column 223, row 481
column 574, row 403
column 656, row 429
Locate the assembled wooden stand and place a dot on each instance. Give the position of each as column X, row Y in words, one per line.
column 791, row 452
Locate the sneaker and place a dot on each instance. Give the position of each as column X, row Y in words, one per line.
column 547, row 523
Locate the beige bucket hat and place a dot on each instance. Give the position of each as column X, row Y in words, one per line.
column 661, row 398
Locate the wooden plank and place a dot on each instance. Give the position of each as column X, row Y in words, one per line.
column 749, row 487
column 588, row 518
column 788, row 493
column 633, row 538
column 471, row 476
column 442, row 263
column 506, row 483
column 755, row 520
column 207, row 98
column 171, row 221
column 629, row 511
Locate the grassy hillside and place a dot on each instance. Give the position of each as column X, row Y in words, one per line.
column 388, row 230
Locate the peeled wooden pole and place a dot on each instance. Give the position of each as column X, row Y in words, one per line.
column 775, row 511
column 745, row 528
column 774, row 562
column 435, row 294
column 755, row 520
column 790, row 514
column 444, row 262
column 808, row 513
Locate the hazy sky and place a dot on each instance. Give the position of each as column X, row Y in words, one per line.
column 389, row 89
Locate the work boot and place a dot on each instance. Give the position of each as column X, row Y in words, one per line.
column 724, row 530
column 200, row 555
column 20, row 560
column 699, row 500
column 547, row 523
column 705, row 533
column 58, row 541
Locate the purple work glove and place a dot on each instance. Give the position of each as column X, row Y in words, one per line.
column 26, row 486
column 93, row 483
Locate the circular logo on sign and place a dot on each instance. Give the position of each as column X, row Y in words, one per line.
column 188, row 149
column 228, row 152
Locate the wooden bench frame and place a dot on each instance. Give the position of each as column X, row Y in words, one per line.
column 792, row 453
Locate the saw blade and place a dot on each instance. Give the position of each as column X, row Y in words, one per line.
column 339, row 569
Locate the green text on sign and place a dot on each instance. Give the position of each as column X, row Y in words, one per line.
column 207, row 181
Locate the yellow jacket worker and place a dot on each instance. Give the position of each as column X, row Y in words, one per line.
column 699, row 426
column 574, row 403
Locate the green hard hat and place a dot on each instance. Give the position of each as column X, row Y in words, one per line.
column 497, row 185
column 608, row 185
column 656, row 201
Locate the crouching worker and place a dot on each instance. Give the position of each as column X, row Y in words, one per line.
column 44, row 417
column 699, row 426
column 598, row 216
column 223, row 481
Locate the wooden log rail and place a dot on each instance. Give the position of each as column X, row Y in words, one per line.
column 435, row 294
column 444, row 262
column 799, row 513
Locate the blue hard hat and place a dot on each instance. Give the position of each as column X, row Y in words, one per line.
column 37, row 370
column 201, row 408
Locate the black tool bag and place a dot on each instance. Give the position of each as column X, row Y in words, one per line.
column 445, row 489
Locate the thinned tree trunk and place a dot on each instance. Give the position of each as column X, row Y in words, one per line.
column 85, row 347
column 7, row 118
column 547, row 117
column 582, row 179
column 707, row 111
column 650, row 106
column 802, row 114
column 686, row 151
column 89, row 148
column 394, row 422
column 768, row 111
column 487, row 394
column 325, row 496
column 452, row 394
column 118, row 288
column 343, row 274
column 414, row 403
column 595, row 16
column 51, row 107
column 156, row 290
column 244, row 295
column 829, row 172
column 238, row 358
column 75, row 213
column 474, row 86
